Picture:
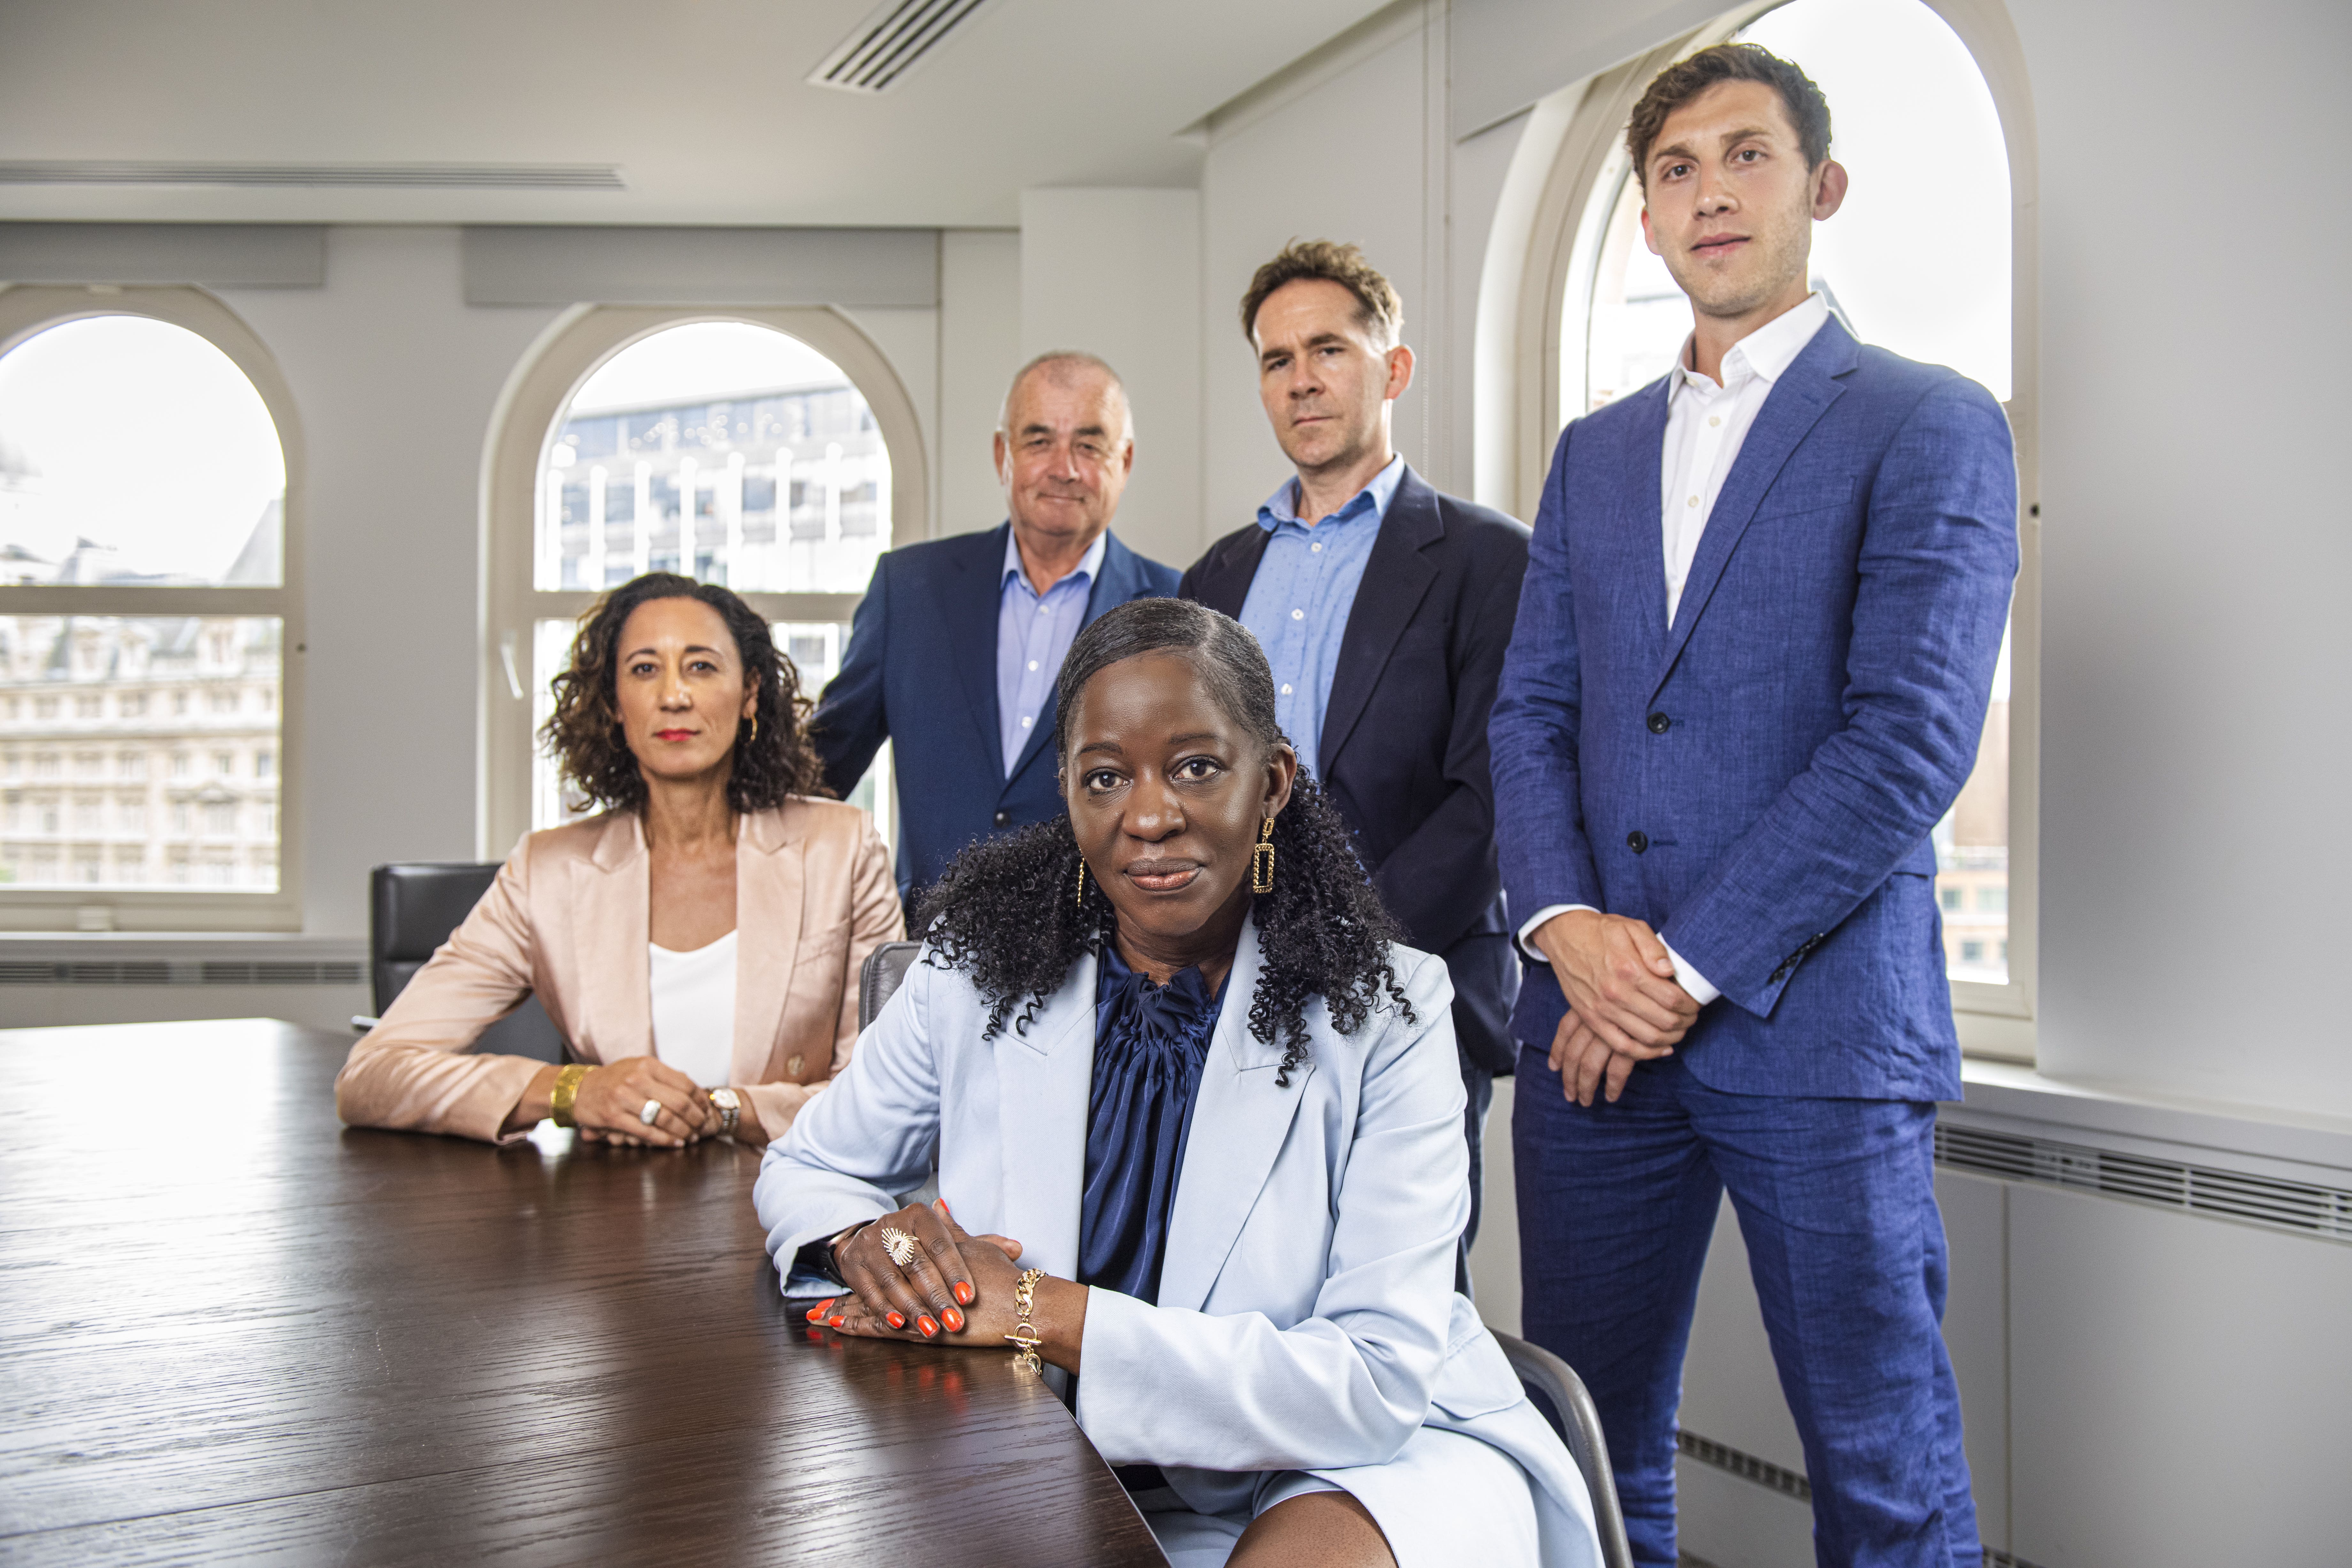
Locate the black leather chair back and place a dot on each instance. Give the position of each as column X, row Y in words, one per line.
column 1564, row 1401
column 412, row 909
column 879, row 980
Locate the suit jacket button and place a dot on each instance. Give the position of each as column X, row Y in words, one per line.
column 1637, row 841
column 1003, row 820
column 1660, row 723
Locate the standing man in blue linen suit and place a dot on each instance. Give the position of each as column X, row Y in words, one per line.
column 1384, row 607
column 1749, row 673
column 954, row 651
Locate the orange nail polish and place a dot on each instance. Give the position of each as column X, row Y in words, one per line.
column 953, row 1320
column 837, row 1320
column 963, row 1293
column 928, row 1327
column 896, row 1320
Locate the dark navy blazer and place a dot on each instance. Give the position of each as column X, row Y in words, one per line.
column 1404, row 735
column 1759, row 782
column 920, row 671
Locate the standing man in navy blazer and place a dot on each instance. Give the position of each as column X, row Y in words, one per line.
column 1384, row 608
column 954, row 650
column 1750, row 675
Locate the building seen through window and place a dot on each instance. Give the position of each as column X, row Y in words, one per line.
column 728, row 452
column 134, row 455
column 1917, row 261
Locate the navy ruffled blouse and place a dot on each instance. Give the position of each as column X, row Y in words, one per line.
column 1150, row 1044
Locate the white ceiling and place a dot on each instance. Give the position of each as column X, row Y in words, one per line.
column 700, row 101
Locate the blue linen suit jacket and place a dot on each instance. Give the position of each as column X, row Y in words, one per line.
column 1757, row 780
column 920, row 671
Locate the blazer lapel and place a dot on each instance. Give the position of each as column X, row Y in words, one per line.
column 1790, row 410
column 1043, row 1075
column 968, row 596
column 1395, row 579
column 770, row 872
column 1240, row 1122
column 611, row 910
column 1225, row 588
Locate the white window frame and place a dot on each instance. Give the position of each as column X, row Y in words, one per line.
column 26, row 311
column 566, row 354
column 1563, row 231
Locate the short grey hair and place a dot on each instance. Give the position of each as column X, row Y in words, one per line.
column 1059, row 362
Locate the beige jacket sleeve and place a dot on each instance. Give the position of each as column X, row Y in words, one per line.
column 875, row 916
column 414, row 1070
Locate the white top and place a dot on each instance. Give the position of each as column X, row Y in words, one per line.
column 694, row 1010
column 1707, row 424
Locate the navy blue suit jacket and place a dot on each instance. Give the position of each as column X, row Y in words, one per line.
column 1404, row 735
column 1757, row 780
column 920, row 672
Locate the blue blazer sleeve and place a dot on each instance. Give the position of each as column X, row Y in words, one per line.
column 1539, row 831
column 853, row 719
column 1938, row 560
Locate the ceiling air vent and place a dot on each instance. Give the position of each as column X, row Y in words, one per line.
column 894, row 38
column 343, row 176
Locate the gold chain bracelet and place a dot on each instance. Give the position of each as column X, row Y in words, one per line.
column 1024, row 1333
column 567, row 1091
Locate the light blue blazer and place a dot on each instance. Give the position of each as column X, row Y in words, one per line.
column 1306, row 1318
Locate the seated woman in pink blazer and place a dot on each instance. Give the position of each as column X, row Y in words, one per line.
column 698, row 944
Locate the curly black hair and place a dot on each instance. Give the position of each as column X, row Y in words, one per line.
column 1006, row 911
column 585, row 731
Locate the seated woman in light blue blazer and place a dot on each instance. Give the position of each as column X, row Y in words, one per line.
column 1166, row 1056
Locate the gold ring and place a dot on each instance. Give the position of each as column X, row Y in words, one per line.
column 902, row 1246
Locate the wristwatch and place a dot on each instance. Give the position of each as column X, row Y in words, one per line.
column 817, row 1256
column 731, row 1109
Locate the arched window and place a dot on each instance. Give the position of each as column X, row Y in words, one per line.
column 145, row 615
column 740, row 450
column 1920, row 260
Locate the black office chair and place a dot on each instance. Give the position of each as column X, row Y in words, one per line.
column 412, row 909
column 1561, row 1395
column 879, row 980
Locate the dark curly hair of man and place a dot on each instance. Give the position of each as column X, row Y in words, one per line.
column 1004, row 913
column 585, row 731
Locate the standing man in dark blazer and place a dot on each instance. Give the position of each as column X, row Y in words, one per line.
column 1750, row 675
column 954, row 651
column 1384, row 608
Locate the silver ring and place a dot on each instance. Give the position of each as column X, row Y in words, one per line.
column 652, row 1111
column 902, row 1246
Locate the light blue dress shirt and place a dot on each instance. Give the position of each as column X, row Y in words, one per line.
column 1298, row 602
column 1033, row 631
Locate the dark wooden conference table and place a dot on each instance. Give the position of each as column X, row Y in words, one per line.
column 231, row 1330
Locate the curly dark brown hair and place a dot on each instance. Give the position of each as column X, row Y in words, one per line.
column 1003, row 913
column 585, row 731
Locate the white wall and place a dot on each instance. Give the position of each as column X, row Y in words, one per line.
column 1117, row 273
column 979, row 348
column 394, row 377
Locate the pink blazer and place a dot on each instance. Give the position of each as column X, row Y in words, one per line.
column 567, row 919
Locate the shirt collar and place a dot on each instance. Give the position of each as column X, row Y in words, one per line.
column 1089, row 567
column 1283, row 505
column 1765, row 353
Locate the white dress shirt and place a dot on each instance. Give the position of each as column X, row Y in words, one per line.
column 1707, row 422
column 694, row 1009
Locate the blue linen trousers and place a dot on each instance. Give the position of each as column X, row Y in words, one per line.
column 1836, row 1200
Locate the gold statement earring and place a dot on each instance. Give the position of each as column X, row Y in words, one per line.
column 755, row 724
column 1262, row 860
column 1082, row 881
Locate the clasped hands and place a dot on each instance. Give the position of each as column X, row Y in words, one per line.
column 611, row 1105
column 1624, row 1006
column 953, row 1288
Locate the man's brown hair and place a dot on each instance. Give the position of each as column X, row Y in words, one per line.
column 1379, row 306
column 1683, row 80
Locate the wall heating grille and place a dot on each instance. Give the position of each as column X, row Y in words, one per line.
column 2298, row 1207
column 419, row 176
column 894, row 38
column 1788, row 1483
column 182, row 972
